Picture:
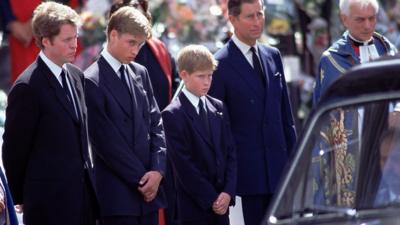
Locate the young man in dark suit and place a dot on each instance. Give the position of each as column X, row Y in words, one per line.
column 163, row 75
column 125, row 126
column 250, row 81
column 45, row 151
column 200, row 144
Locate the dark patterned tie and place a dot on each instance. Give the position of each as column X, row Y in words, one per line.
column 203, row 117
column 257, row 65
column 74, row 101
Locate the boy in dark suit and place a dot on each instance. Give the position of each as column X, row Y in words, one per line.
column 46, row 153
column 200, row 144
column 125, row 126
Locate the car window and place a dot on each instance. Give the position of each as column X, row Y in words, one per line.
column 335, row 156
column 350, row 161
column 388, row 192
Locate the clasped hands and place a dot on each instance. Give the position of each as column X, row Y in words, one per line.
column 148, row 185
column 220, row 206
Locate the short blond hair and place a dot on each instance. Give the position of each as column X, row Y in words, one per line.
column 48, row 17
column 194, row 58
column 128, row 20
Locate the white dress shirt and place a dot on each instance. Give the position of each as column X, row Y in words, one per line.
column 194, row 99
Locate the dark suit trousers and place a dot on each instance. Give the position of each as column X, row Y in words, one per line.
column 254, row 208
column 211, row 220
column 170, row 190
column 148, row 219
column 89, row 213
column 91, row 208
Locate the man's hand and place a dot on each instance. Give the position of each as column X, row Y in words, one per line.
column 19, row 208
column 220, row 206
column 21, row 31
column 149, row 184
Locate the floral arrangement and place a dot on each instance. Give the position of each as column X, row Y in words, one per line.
column 91, row 39
column 280, row 15
column 180, row 22
column 92, row 30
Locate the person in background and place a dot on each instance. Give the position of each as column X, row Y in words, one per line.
column 125, row 126
column 46, row 152
column 358, row 44
column 200, row 144
column 250, row 80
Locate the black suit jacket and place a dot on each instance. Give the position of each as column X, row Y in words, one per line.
column 127, row 136
column 204, row 165
column 45, row 149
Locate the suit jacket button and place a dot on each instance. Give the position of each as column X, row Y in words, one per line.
column 252, row 101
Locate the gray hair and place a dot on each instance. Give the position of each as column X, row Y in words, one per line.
column 344, row 5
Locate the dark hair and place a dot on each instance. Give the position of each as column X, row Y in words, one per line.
column 142, row 5
column 234, row 6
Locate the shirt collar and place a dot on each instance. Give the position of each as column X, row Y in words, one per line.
column 193, row 98
column 54, row 68
column 114, row 63
column 360, row 43
column 244, row 48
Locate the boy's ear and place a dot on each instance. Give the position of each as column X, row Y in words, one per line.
column 184, row 74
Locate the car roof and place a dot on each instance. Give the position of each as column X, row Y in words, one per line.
column 376, row 77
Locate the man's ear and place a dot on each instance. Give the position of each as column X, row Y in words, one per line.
column 113, row 35
column 232, row 19
column 46, row 42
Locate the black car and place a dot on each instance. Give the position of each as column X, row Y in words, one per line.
column 346, row 166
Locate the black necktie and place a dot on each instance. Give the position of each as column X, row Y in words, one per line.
column 69, row 94
column 124, row 79
column 257, row 65
column 203, row 117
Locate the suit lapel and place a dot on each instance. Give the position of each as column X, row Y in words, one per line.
column 77, row 91
column 114, row 85
column 193, row 115
column 214, row 119
column 240, row 63
column 135, row 86
column 58, row 89
column 266, row 60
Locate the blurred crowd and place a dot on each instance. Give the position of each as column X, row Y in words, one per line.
column 301, row 29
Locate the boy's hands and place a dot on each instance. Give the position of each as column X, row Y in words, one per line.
column 149, row 184
column 220, row 206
